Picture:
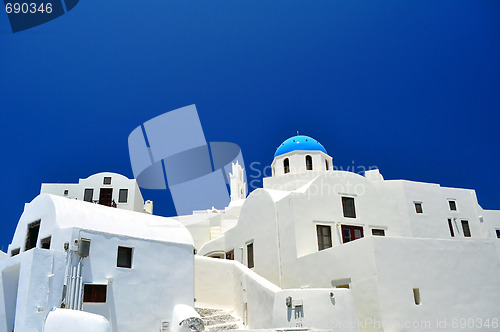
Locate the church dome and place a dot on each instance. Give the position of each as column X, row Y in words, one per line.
column 299, row 143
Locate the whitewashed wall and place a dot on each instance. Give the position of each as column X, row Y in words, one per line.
column 266, row 303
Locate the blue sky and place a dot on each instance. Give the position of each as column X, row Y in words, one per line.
column 412, row 87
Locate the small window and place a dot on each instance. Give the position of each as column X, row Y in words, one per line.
column 450, row 226
column 32, row 235
column 378, row 232
column 465, row 228
column 45, row 243
column 498, row 233
column 88, row 195
column 309, row 163
column 94, row 293
column 324, row 234
column 348, row 207
column 107, row 180
column 418, row 207
column 250, row 262
column 286, row 165
column 230, row 254
column 453, row 205
column 66, row 192
column 14, row 252
column 326, row 164
column 123, row 196
column 416, row 296
column 124, row 257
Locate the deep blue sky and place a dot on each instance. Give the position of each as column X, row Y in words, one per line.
column 412, row 87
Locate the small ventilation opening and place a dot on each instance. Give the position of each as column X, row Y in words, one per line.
column 416, row 296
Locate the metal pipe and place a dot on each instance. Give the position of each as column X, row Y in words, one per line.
column 80, row 287
column 73, row 286
column 77, row 287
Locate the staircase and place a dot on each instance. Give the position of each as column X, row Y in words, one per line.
column 219, row 319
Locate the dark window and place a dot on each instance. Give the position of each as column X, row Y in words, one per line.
column 250, row 262
column 465, row 227
column 351, row 233
column 498, row 233
column 309, row 163
column 107, row 180
column 324, row 234
column 106, row 196
column 66, row 192
column 14, row 252
column 348, row 207
column 124, row 257
column 326, row 164
column 88, row 195
column 450, row 225
column 45, row 243
column 416, row 296
column 94, row 293
column 453, row 205
column 418, row 208
column 378, row 232
column 123, row 196
column 32, row 235
column 230, row 254
column 286, row 165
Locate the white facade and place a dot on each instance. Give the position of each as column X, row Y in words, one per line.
column 133, row 269
column 410, row 253
column 104, row 188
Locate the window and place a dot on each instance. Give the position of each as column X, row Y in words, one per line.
column 45, row 243
column 32, row 235
column 498, row 233
column 351, row 233
column 450, row 225
column 416, row 296
column 66, row 192
column 124, row 257
column 286, row 165
column 230, row 254
column 348, row 207
column 418, row 207
column 324, row 234
column 453, row 205
column 465, row 228
column 326, row 164
column 250, row 262
column 378, row 232
column 123, row 196
column 14, row 252
column 94, row 293
column 88, row 195
column 107, row 180
column 309, row 163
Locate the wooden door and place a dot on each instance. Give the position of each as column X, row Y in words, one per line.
column 105, row 196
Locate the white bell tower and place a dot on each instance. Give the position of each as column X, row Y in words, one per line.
column 238, row 185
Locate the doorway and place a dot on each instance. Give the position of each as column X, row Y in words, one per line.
column 351, row 233
column 106, row 196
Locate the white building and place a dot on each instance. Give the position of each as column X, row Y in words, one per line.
column 109, row 189
column 412, row 255
column 133, row 271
